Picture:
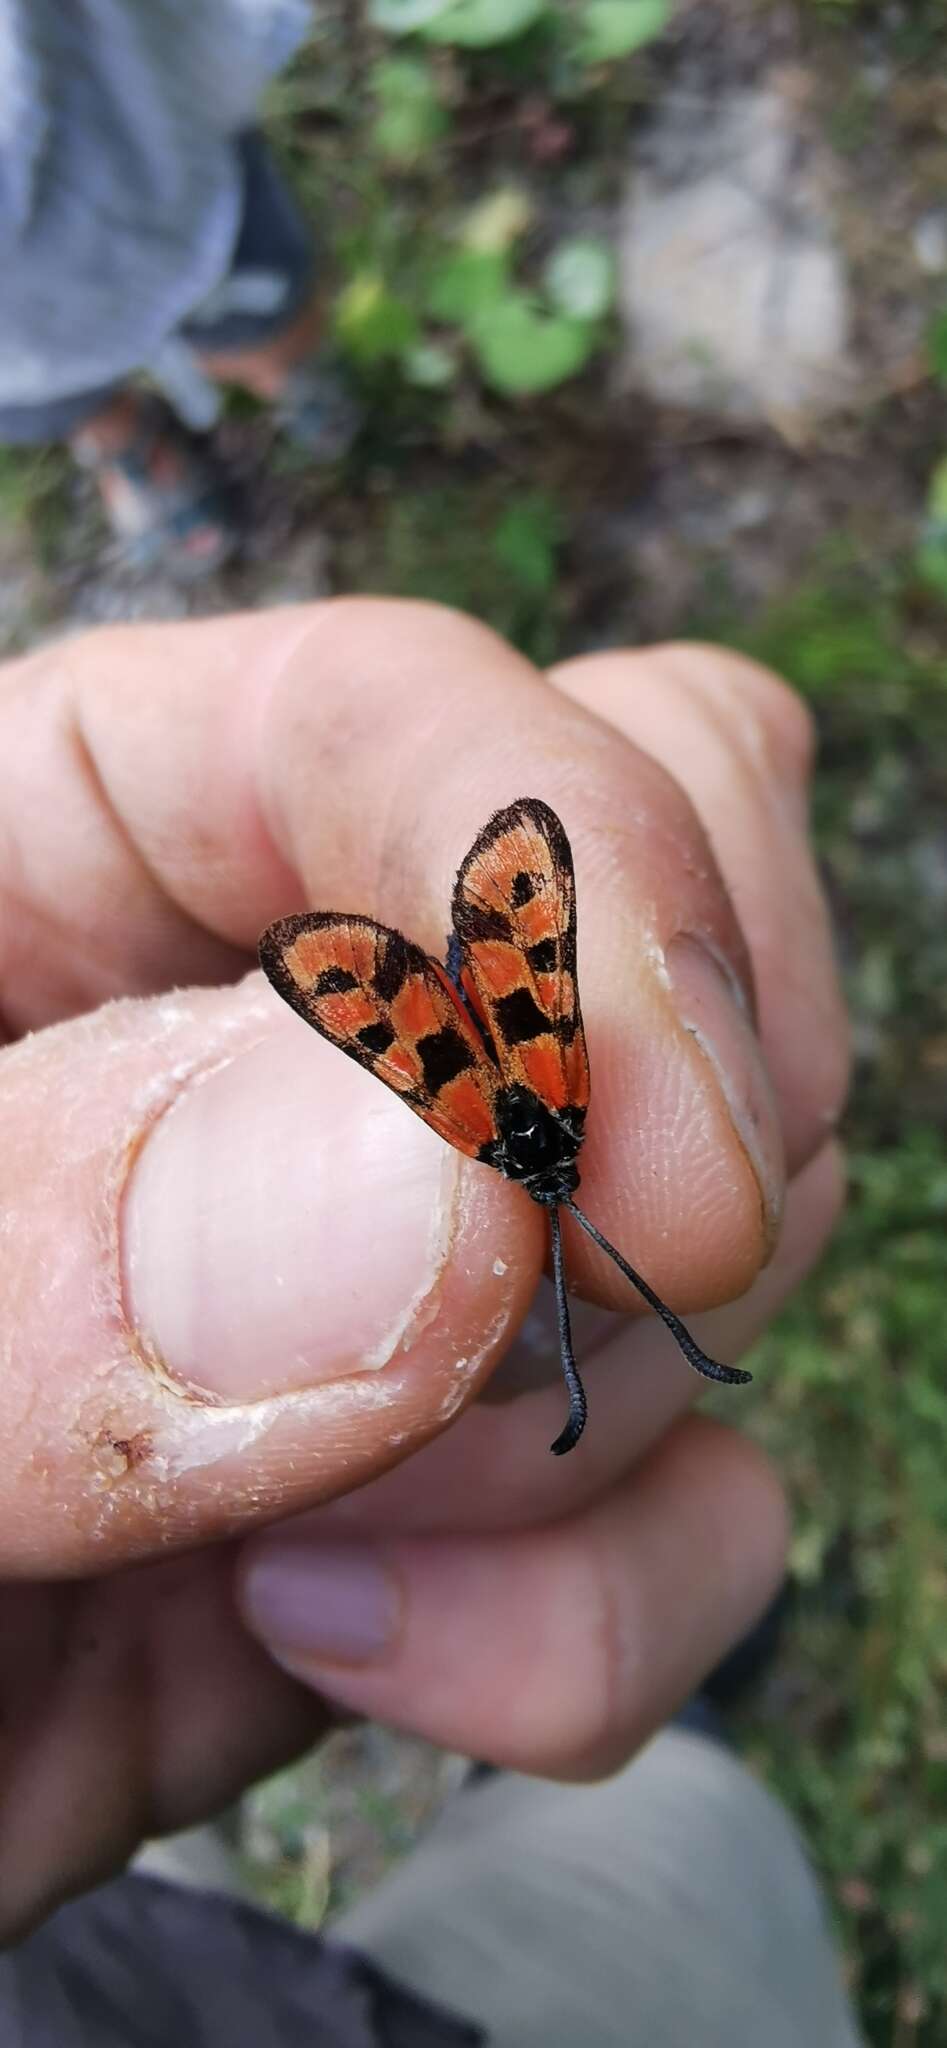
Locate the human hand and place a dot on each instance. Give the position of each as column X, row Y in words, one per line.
column 238, row 1280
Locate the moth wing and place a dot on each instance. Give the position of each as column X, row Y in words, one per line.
column 514, row 914
column 384, row 1002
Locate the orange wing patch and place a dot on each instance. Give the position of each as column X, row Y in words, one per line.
column 381, row 1000
column 515, row 916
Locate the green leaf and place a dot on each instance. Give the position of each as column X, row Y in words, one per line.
column 466, row 284
column 937, row 346
column 931, row 562
column 477, row 24
column 522, row 350
column 937, row 493
column 613, row 28
column 372, row 323
column 525, row 542
column 931, row 554
column 429, row 366
column 400, row 17
column 580, row 279
column 410, row 116
column 497, row 221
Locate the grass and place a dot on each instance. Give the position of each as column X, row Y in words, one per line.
column 852, row 1393
column 33, row 493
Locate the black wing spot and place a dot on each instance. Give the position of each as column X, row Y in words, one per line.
column 335, row 981
column 443, row 1055
column 391, row 966
column 543, row 958
column 475, row 921
column 522, row 888
column 376, row 1038
column 518, row 1017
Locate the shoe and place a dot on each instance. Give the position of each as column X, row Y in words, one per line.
column 163, row 496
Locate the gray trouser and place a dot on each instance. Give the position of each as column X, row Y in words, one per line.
column 273, row 264
column 670, row 1907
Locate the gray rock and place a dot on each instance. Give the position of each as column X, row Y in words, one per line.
column 930, row 241
column 732, row 289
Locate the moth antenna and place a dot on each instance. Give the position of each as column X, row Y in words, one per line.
column 727, row 1375
column 578, row 1405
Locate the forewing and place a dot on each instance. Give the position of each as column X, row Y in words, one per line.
column 514, row 914
column 380, row 999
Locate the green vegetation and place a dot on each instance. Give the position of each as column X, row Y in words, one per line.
column 33, row 485
column 851, row 1397
column 467, row 299
column 450, row 278
column 587, row 32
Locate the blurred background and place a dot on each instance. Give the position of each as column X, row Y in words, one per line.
column 647, row 307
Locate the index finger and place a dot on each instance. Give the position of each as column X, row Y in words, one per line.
column 346, row 755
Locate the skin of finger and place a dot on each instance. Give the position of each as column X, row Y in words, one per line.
column 559, row 1651
column 107, row 1456
column 493, row 1471
column 131, row 1706
column 363, row 747
column 84, row 914
column 741, row 743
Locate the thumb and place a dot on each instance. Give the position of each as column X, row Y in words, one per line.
column 236, row 1277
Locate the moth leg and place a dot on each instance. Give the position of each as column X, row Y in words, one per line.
column 454, row 962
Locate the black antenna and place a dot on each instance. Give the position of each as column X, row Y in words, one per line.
column 728, row 1375
column 578, row 1406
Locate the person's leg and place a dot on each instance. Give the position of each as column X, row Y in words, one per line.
column 202, row 1858
column 263, row 367
column 266, row 328
column 669, row 1906
column 263, row 328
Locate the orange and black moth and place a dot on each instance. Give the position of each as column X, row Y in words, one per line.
column 489, row 1049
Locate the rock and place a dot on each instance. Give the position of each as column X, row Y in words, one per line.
column 733, row 292
column 930, row 241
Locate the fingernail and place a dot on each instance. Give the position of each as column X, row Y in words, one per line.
column 713, row 1008
column 338, row 1604
column 285, row 1223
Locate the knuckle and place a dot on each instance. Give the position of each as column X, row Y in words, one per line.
column 356, row 619
column 784, row 726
